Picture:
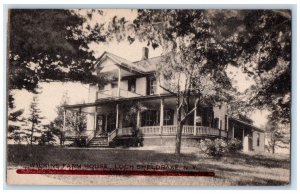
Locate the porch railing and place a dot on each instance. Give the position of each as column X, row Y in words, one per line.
column 111, row 135
column 113, row 93
column 125, row 131
column 89, row 135
column 188, row 130
column 150, row 130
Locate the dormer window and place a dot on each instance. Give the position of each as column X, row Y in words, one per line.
column 151, row 85
column 132, row 85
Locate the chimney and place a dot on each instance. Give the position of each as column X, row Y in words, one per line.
column 145, row 53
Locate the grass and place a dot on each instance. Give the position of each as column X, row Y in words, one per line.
column 233, row 169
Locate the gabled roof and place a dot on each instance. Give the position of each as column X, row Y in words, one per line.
column 149, row 65
column 143, row 66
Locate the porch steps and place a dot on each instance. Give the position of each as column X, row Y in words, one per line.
column 99, row 142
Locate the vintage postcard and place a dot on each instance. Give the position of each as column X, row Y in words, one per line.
column 174, row 97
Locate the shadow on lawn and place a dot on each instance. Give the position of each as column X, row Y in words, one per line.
column 258, row 160
column 25, row 155
column 225, row 168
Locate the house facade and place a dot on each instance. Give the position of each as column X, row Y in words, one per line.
column 133, row 100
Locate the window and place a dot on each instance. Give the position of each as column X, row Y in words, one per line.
column 151, row 85
column 258, row 139
column 132, row 85
column 114, row 85
column 168, row 117
column 101, row 87
column 150, row 118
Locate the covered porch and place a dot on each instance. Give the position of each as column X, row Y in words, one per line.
column 155, row 116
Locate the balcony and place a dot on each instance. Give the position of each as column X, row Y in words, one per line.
column 114, row 93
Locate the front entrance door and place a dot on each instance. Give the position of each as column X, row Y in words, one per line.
column 100, row 128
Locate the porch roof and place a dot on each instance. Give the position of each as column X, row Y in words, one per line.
column 247, row 124
column 116, row 100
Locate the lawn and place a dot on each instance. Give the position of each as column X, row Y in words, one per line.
column 234, row 169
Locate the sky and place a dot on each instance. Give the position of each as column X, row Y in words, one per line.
column 51, row 93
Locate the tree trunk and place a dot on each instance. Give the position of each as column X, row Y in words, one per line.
column 178, row 136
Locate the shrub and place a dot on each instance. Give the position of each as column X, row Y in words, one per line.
column 215, row 148
column 80, row 141
column 234, row 145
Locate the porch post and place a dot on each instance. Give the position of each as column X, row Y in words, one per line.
column 120, row 131
column 195, row 119
column 119, row 82
column 161, row 120
column 95, row 121
column 138, row 122
column 106, row 123
column 117, row 117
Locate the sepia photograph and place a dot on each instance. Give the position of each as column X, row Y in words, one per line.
column 149, row 97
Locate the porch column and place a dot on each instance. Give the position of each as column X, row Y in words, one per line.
column 119, row 82
column 161, row 120
column 195, row 119
column 95, row 121
column 117, row 117
column 106, row 123
column 138, row 119
column 120, row 124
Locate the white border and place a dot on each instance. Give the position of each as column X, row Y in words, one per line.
column 154, row 4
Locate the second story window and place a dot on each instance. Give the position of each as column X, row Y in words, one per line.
column 101, row 87
column 151, row 85
column 114, row 84
column 132, row 85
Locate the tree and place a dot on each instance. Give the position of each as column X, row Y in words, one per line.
column 194, row 61
column 75, row 121
column 48, row 136
column 15, row 120
column 266, row 42
column 51, row 45
column 33, row 127
column 277, row 135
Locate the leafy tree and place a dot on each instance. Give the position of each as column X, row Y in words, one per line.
column 194, row 61
column 51, row 45
column 131, row 109
column 277, row 136
column 265, row 38
column 75, row 122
